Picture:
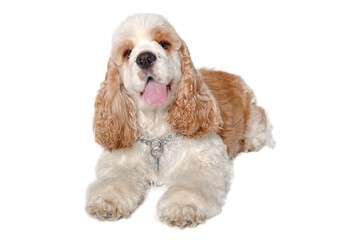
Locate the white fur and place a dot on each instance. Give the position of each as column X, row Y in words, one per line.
column 258, row 133
column 197, row 172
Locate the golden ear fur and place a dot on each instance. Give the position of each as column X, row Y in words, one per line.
column 115, row 123
column 195, row 111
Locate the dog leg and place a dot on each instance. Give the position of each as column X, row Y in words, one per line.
column 117, row 192
column 194, row 197
column 198, row 187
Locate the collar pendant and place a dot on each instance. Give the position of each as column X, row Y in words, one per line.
column 156, row 147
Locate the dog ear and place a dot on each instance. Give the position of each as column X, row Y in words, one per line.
column 195, row 111
column 115, row 123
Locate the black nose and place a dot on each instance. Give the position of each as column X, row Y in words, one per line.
column 145, row 60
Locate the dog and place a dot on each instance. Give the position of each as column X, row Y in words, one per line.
column 163, row 122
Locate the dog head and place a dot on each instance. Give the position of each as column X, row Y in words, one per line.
column 150, row 67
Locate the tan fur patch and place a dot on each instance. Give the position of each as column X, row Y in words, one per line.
column 233, row 98
column 115, row 123
column 119, row 51
column 160, row 33
column 195, row 111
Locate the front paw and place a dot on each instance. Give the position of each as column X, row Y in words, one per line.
column 187, row 207
column 181, row 215
column 108, row 201
column 104, row 210
column 113, row 205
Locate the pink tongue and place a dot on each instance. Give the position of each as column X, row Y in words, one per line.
column 155, row 93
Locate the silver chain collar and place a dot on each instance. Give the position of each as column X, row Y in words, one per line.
column 156, row 147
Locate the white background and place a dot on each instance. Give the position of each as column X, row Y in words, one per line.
column 302, row 58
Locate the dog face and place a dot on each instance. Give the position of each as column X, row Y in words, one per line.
column 147, row 52
column 150, row 67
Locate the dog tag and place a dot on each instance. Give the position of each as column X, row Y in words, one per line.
column 157, row 164
column 156, row 149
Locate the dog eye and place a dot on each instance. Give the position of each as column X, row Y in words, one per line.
column 165, row 45
column 127, row 53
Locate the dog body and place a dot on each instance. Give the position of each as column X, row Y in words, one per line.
column 200, row 119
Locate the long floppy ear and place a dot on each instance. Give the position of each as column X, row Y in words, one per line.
column 195, row 111
column 115, row 123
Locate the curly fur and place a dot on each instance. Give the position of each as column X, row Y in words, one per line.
column 213, row 113
column 115, row 116
column 195, row 111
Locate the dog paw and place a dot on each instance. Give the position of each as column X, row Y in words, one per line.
column 108, row 202
column 104, row 210
column 182, row 216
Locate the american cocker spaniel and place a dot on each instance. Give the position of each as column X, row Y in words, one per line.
column 163, row 122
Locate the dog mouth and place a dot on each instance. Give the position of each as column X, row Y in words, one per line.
column 155, row 93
